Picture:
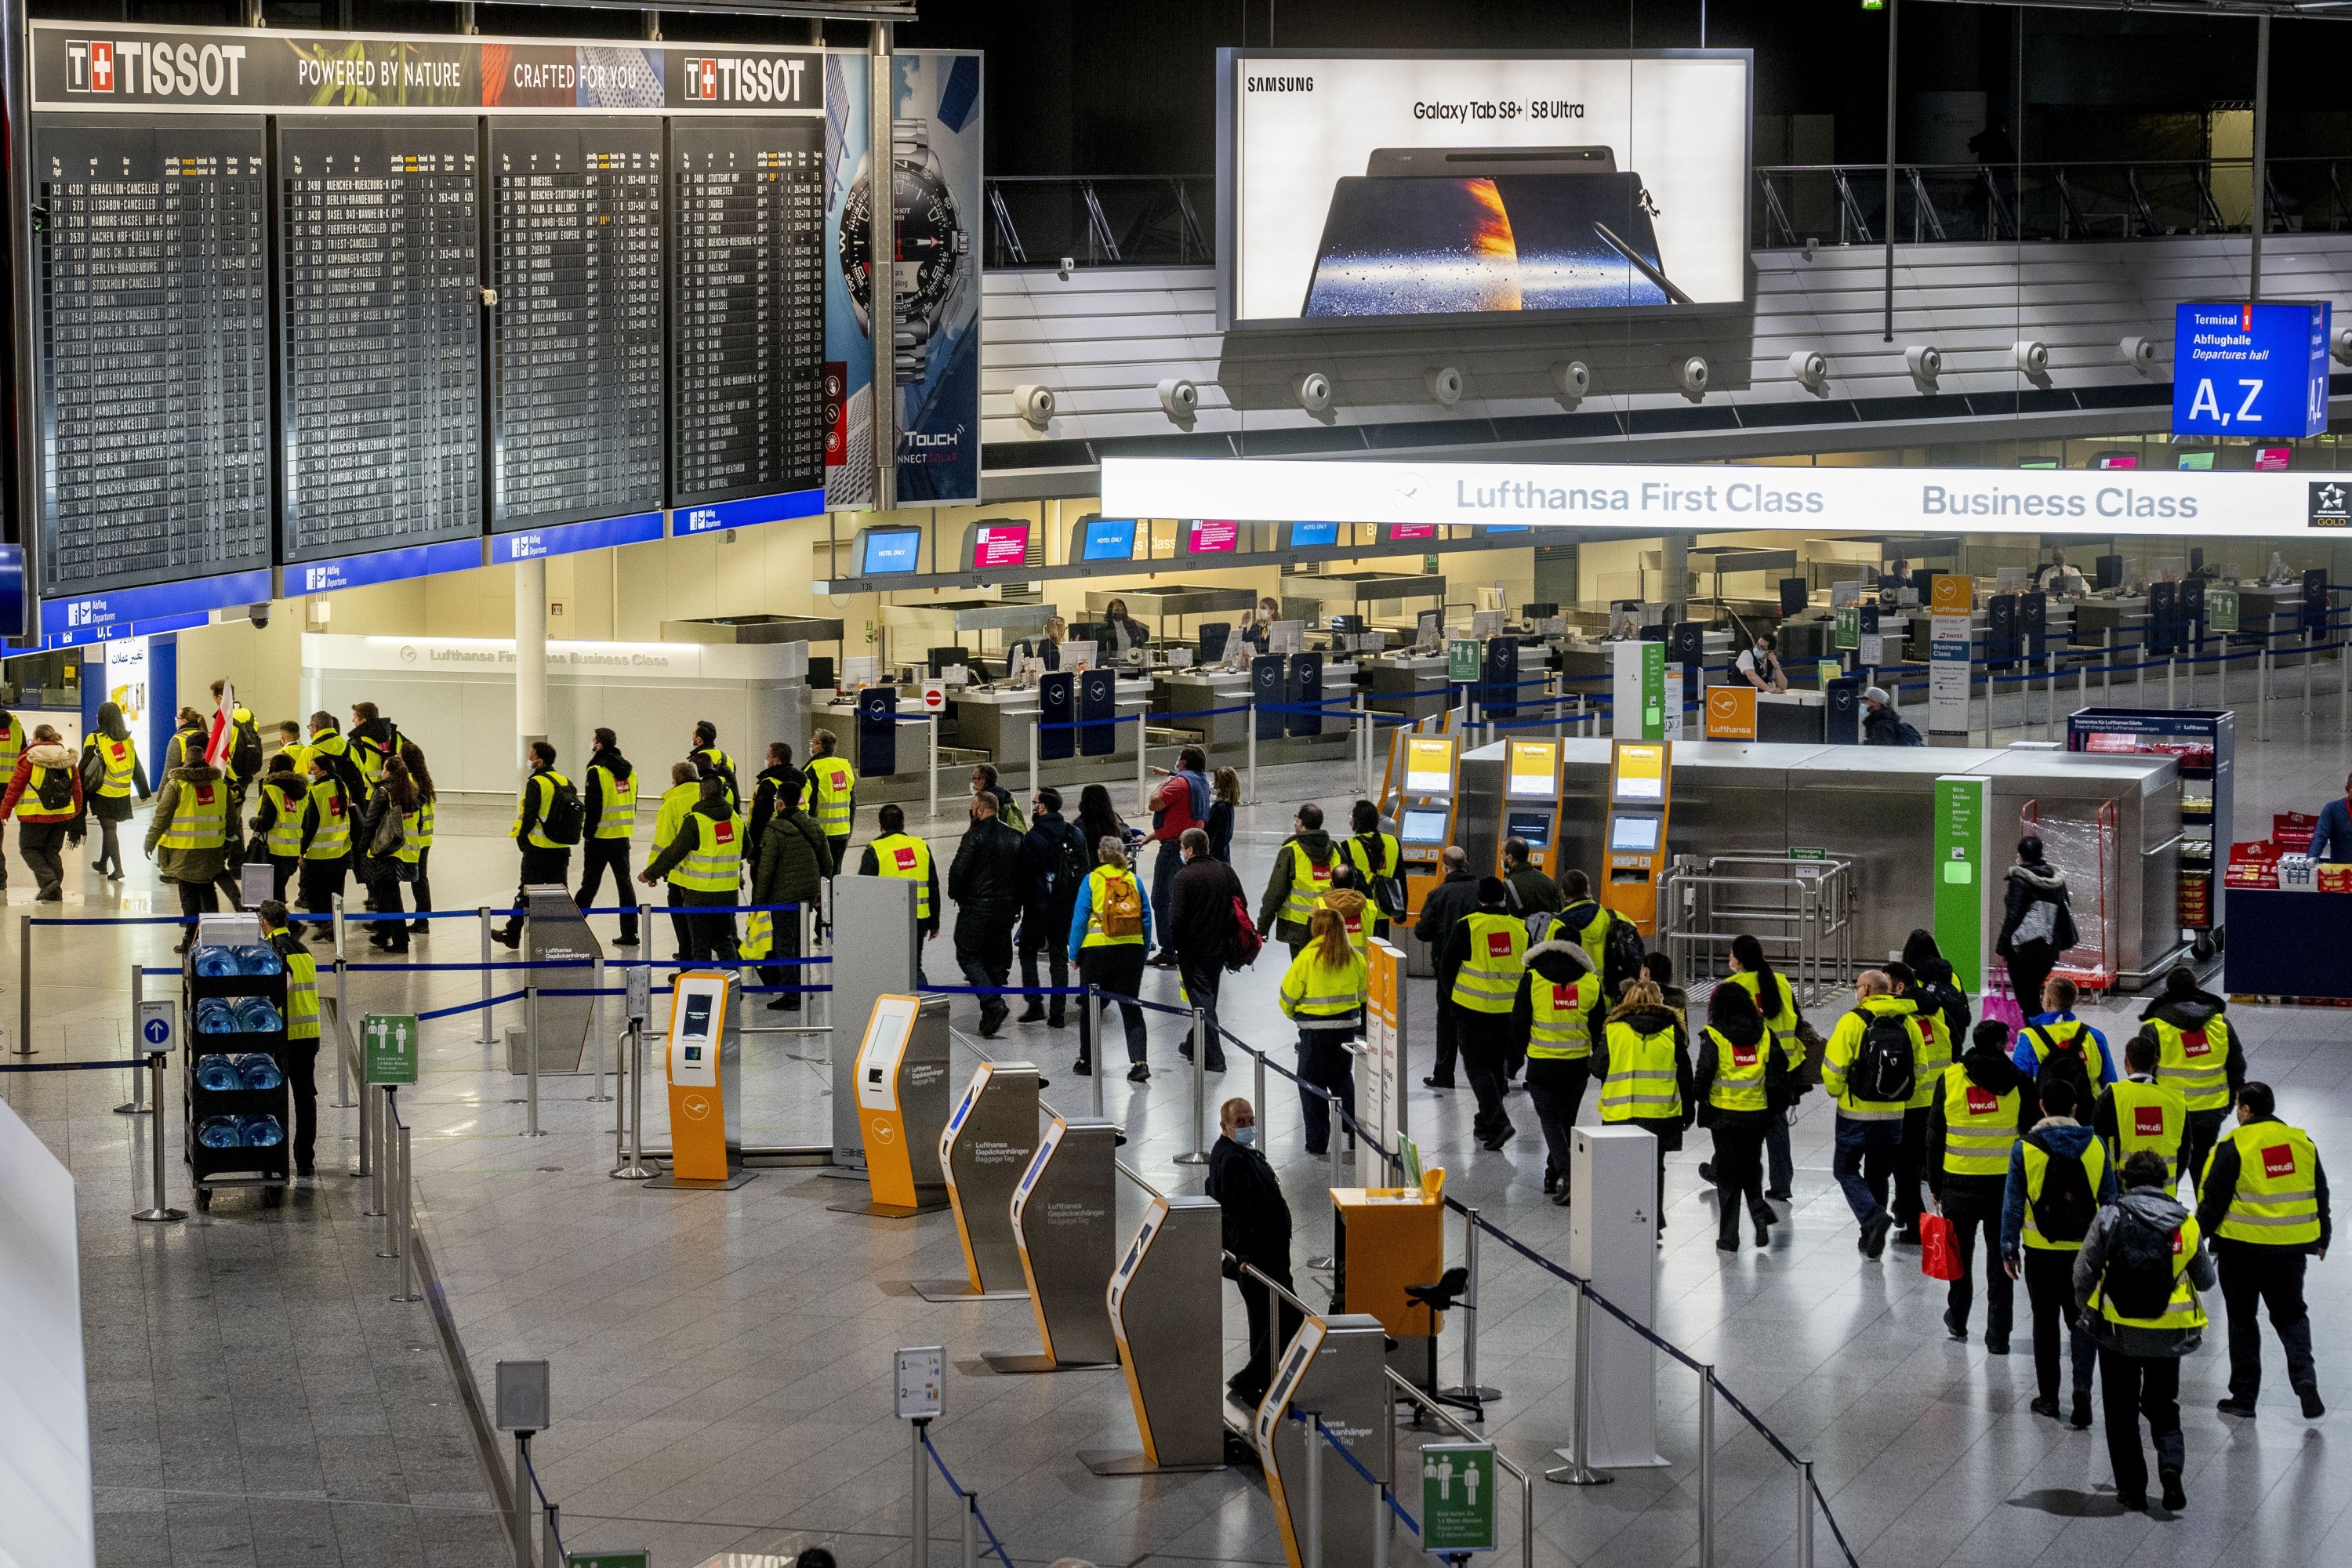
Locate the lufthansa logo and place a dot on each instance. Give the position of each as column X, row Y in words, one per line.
column 882, row 1132
column 696, row 1107
column 408, row 653
column 1723, row 704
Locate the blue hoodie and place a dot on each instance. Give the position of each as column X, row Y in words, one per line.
column 2057, row 1135
column 2020, row 1050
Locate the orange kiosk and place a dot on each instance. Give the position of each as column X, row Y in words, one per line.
column 703, row 1059
column 902, row 1105
column 1641, row 786
column 1428, row 790
column 1531, row 804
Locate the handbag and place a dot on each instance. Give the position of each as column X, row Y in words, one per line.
column 1939, row 1256
column 2001, row 1002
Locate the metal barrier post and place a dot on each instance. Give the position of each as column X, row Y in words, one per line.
column 2262, row 693
column 134, row 1106
column 1315, row 1441
column 921, row 1501
column 1380, row 1526
column 634, row 1168
column 387, row 1164
column 551, row 1551
column 1804, row 1513
column 1100, row 1058
column 1258, row 1105
column 342, row 1031
column 1142, row 761
column 1036, row 777
column 1253, row 749
column 2169, row 662
column 1333, row 1133
column 1576, row 1473
column 1198, row 1154
column 596, row 1026
column 933, row 727
column 1707, row 1467
column 24, row 985
column 1470, row 1388
column 369, row 1151
column 530, row 1061
column 522, row 1526
column 404, row 1286
column 483, row 914
column 971, row 1530
column 156, row 1209
column 2050, row 693
column 371, row 1130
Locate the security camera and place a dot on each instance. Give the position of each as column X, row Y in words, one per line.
column 257, row 613
column 2343, row 344
column 1811, row 367
column 1926, row 362
column 1178, row 398
column 1691, row 376
column 1444, row 385
column 2031, row 357
column 1313, row 390
column 1063, row 271
column 1571, row 379
column 1035, row 404
column 2140, row 353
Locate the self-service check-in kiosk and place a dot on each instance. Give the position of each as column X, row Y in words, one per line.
column 1640, row 783
column 705, row 1062
column 1337, row 1370
column 902, row 1105
column 1170, row 1282
column 1531, row 804
column 990, row 1137
column 1064, row 1213
column 1425, row 815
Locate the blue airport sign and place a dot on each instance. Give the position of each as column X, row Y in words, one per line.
column 745, row 513
column 384, row 566
column 570, row 537
column 2250, row 370
column 94, row 617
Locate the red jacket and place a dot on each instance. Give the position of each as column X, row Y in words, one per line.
column 24, row 802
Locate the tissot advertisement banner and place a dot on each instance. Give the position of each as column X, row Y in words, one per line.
column 1712, row 499
column 936, row 118
column 109, row 65
column 1370, row 186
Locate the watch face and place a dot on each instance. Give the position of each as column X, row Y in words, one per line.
column 930, row 253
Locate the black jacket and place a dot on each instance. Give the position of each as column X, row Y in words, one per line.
column 1257, row 1218
column 985, row 878
column 2221, row 1184
column 1708, row 1061
column 1937, row 989
column 2028, row 886
column 1201, row 911
column 1043, row 897
column 685, row 843
column 1441, row 911
column 2195, row 1011
column 1556, row 962
column 591, row 807
column 1650, row 1021
column 763, row 795
column 1990, row 1069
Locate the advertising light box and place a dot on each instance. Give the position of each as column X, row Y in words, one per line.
column 1372, row 186
column 2250, row 370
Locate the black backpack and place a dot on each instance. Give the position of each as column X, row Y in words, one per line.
column 57, row 790
column 245, row 752
column 1885, row 1066
column 564, row 814
column 1953, row 1004
column 1621, row 954
column 1071, row 865
column 2138, row 1279
column 2065, row 1061
column 2067, row 1205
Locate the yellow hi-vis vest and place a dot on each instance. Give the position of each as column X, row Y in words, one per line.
column 1488, row 979
column 11, row 741
column 1934, row 1053
column 2277, row 1199
column 1358, row 937
column 2195, row 1061
column 284, row 840
column 1562, row 1026
column 120, row 759
column 200, row 818
column 301, row 995
column 1739, row 1072
column 903, row 855
column 2150, row 1116
column 1353, row 848
column 617, row 802
column 676, row 801
column 1980, row 1126
column 1783, row 1022
column 332, row 839
column 1099, row 883
column 715, row 861
column 1641, row 1080
column 2182, row 1310
column 1593, row 939
column 1308, row 882
column 1314, row 989
column 2037, row 1170
column 759, row 935
column 416, row 828
column 547, row 784
column 718, row 762
column 834, row 788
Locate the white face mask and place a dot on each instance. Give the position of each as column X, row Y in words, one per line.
column 1245, row 1136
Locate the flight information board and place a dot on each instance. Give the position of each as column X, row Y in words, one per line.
column 380, row 346
column 575, row 226
column 153, row 344
column 747, row 246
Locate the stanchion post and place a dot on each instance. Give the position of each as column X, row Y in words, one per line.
column 1576, row 1472
column 932, row 728
column 971, row 1530
column 1198, row 1154
column 521, row 1528
column 2262, row 693
column 1707, row 1467
column 1804, row 1513
column 1143, row 760
column 24, row 985
column 1037, row 776
column 134, row 1106
column 1380, row 1525
column 1470, row 1388
column 368, row 1145
column 1315, row 1490
column 1098, row 1056
column 596, row 1026
column 371, row 1130
column 530, row 1061
column 156, row 1211
column 2170, row 663
column 1253, row 748
column 342, row 1029
column 550, row 1550
column 634, row 1168
column 920, row 1499
column 1335, row 1130
column 404, row 1284
column 483, row 914
column 387, row 1165
column 1264, row 1129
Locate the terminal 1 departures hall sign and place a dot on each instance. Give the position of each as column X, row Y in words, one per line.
column 1656, row 498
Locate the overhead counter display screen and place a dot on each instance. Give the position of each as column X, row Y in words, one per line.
column 575, row 226
column 747, row 202
column 380, row 351
column 153, row 351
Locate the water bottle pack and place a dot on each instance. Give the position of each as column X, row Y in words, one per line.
column 238, row 1015
column 219, row 1074
column 240, row 1132
column 218, row 962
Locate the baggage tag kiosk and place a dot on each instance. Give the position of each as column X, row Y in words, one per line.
column 1336, row 1368
column 1169, row 1282
column 902, row 1107
column 704, row 1062
column 1531, row 804
column 1064, row 1213
column 1641, row 775
column 1425, row 813
column 990, row 1137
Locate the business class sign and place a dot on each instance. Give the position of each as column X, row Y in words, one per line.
column 1726, row 498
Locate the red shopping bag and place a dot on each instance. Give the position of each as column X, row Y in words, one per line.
column 1939, row 1258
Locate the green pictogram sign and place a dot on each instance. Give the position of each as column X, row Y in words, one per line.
column 388, row 1041
column 1457, row 1497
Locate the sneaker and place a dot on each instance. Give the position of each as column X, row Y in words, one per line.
column 1561, row 1197
column 2231, row 1407
column 1707, row 1172
column 1082, row 1067
column 1033, row 1013
column 1727, row 1243
column 425, row 928
column 1551, row 1181
column 617, row 941
column 1501, row 1138
column 1763, row 1233
column 1162, row 960
column 1138, row 1073
column 1874, row 1235
column 1057, row 1021
column 507, row 939
column 2132, row 1502
column 1778, row 1195
column 1955, row 1325
column 1997, row 1346
column 1437, row 1083
column 2313, row 1409
column 2175, row 1499
column 2079, row 1417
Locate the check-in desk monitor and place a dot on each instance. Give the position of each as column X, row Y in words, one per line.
column 902, row 1102
column 1640, row 785
column 1531, row 804
column 1425, row 811
column 704, row 1061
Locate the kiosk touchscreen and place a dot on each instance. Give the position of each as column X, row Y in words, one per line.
column 902, row 1105
column 1428, row 788
column 704, row 1059
column 1641, row 776
column 1531, row 802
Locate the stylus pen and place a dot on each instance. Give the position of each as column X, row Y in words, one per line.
column 1647, row 270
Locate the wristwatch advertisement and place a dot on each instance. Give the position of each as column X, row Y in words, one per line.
column 934, row 247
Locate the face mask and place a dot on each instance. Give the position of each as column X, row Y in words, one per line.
column 1245, row 1136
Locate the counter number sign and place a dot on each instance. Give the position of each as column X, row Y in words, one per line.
column 390, row 1042
column 1457, row 1497
column 919, row 1382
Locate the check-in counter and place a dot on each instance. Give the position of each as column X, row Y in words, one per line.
column 1792, row 716
column 998, row 721
column 1411, row 685
column 1196, row 691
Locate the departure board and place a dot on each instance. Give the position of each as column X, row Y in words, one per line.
column 575, row 227
column 153, row 351
column 380, row 351
column 747, row 246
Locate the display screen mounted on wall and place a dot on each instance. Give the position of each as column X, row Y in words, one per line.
column 888, row 551
column 1409, row 532
column 995, row 546
column 1372, row 186
column 2250, row 370
column 1212, row 536
column 1107, row 539
column 1313, row 535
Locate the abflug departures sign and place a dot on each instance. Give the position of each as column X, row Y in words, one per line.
column 1815, row 500
column 1363, row 187
column 2246, row 369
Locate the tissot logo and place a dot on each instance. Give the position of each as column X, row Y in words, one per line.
column 154, row 68
column 702, row 79
column 2331, row 504
column 758, row 79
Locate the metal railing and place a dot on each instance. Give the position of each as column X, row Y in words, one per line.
column 1801, row 910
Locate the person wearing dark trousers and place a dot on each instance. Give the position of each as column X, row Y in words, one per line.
column 2142, row 1324
column 793, row 864
column 325, row 846
column 1180, row 802
column 1974, row 1121
column 1645, row 1068
column 1936, row 1050
column 191, row 825
column 1486, row 952
column 1302, row 871
column 279, row 822
column 44, row 797
column 2059, row 1175
column 2197, row 1054
column 546, row 858
column 418, row 850
column 704, row 865
column 709, row 759
column 1323, row 993
column 1201, row 927
column 395, row 798
column 1441, row 909
column 984, row 883
column 608, row 820
column 301, row 1030
column 1257, row 1231
column 1110, row 920
column 1869, row 1128
column 110, row 758
column 1737, row 1056
column 2037, row 922
column 1558, row 1015
column 833, row 793
column 1777, row 1004
column 1053, row 862
column 2264, row 1201
column 684, row 792
column 898, row 856
column 770, row 784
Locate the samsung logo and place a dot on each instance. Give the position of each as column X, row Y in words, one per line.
column 1282, row 84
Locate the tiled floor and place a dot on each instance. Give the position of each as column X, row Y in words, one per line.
column 722, row 1360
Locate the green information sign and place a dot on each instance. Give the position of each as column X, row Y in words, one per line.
column 609, row 1560
column 1963, row 896
column 1457, row 1497
column 1808, row 852
column 388, row 1041
column 1462, row 659
column 1849, row 626
column 1653, row 691
column 2222, row 609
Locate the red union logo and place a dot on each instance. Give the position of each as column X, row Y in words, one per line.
column 1983, row 1101
column 2192, row 1044
column 2278, row 1160
column 2147, row 1121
